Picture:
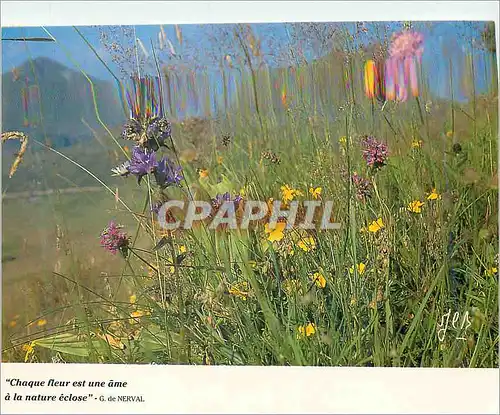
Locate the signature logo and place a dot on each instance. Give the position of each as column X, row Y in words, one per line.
column 459, row 322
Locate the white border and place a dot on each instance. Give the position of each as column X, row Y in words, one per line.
column 176, row 389
column 244, row 390
column 65, row 13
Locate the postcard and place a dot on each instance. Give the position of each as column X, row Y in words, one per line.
column 224, row 215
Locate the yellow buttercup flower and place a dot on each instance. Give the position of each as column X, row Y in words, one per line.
column 416, row 143
column 319, row 280
column 434, row 195
column 449, row 134
column 203, row 173
column 182, row 249
column 415, row 206
column 220, row 159
column 361, row 268
column 275, row 234
column 133, row 298
column 307, row 244
column 42, row 322
column 307, row 330
column 376, row 225
column 288, row 194
column 315, row 192
column 491, row 271
column 343, row 140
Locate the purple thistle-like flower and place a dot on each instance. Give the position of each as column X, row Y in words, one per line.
column 219, row 199
column 142, row 162
column 362, row 185
column 113, row 239
column 168, row 173
column 374, row 152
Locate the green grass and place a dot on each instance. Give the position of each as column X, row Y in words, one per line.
column 417, row 267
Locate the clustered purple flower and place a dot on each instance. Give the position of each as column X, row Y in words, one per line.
column 114, row 240
column 158, row 132
column 362, row 185
column 144, row 162
column 374, row 152
column 167, row 173
column 219, row 200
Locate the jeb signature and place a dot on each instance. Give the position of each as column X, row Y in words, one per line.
column 458, row 322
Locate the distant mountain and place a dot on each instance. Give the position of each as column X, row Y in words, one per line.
column 43, row 96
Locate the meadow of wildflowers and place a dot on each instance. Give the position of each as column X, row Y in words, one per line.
column 409, row 279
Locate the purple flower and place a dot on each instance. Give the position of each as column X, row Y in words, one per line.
column 219, row 199
column 167, row 173
column 374, row 152
column 362, row 185
column 143, row 162
column 158, row 131
column 155, row 207
column 114, row 240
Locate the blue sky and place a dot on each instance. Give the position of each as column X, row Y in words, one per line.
column 439, row 37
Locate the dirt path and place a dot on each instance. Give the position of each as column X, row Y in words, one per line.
column 36, row 193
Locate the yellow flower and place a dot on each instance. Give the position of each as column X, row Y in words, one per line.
column 287, row 193
column 203, row 173
column 343, row 140
column 316, row 193
column 307, row 244
column 319, row 280
column 240, row 290
column 416, row 143
column 434, row 195
column 220, row 159
column 42, row 322
column 415, row 206
column 29, row 349
column 133, row 298
column 491, row 271
column 361, row 268
column 275, row 234
column 137, row 314
column 370, row 78
column 182, row 249
column 376, row 225
column 307, row 330
column 353, row 301
column 13, row 324
column 449, row 134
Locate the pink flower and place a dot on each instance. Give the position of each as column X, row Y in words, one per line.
column 114, row 240
column 407, row 44
column 401, row 67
